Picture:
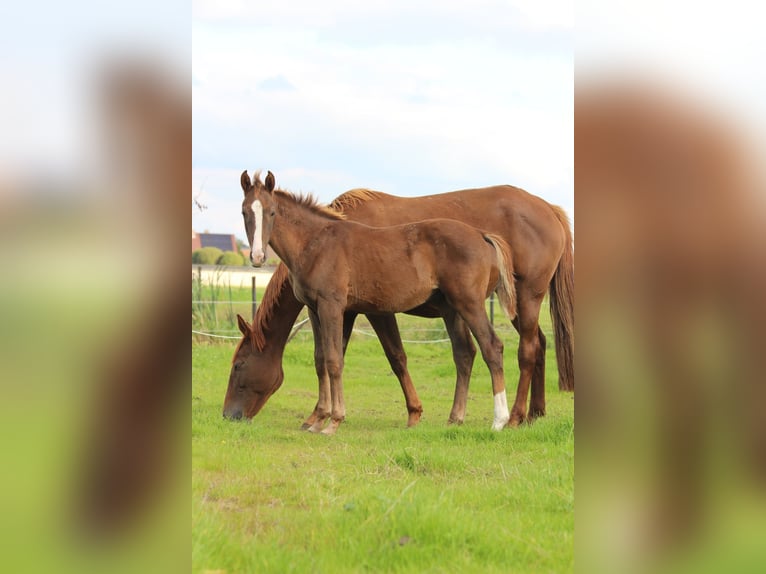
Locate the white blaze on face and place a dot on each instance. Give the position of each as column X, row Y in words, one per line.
column 502, row 415
column 256, row 251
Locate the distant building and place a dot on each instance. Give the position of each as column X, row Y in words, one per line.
column 223, row 241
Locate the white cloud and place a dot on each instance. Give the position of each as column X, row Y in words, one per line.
column 483, row 95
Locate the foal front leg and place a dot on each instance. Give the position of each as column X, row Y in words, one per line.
column 316, row 419
column 331, row 329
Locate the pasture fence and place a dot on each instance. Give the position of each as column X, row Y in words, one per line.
column 219, row 293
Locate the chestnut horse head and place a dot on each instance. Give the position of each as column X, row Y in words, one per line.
column 250, row 385
column 258, row 210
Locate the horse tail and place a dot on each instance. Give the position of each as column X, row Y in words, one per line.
column 562, row 306
column 506, row 288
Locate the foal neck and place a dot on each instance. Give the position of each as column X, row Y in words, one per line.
column 299, row 220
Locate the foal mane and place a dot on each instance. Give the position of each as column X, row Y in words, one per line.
column 310, row 202
column 279, row 282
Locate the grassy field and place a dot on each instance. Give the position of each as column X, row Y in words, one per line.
column 378, row 497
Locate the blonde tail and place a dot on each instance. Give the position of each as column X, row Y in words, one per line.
column 506, row 289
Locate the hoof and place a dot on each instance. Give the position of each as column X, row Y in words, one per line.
column 500, row 424
column 332, row 428
column 316, row 427
column 516, row 420
column 413, row 419
column 535, row 414
column 501, row 412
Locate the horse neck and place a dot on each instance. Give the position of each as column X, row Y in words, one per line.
column 294, row 228
column 278, row 311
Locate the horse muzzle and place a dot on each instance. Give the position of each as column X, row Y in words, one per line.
column 257, row 258
column 234, row 414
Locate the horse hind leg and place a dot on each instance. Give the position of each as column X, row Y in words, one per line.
column 537, row 393
column 529, row 354
column 537, row 396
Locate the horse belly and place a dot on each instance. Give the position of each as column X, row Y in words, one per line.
column 401, row 290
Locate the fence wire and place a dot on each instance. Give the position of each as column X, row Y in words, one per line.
column 209, row 315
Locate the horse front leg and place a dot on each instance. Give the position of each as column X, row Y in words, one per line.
column 315, row 421
column 388, row 333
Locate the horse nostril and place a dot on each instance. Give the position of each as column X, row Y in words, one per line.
column 233, row 415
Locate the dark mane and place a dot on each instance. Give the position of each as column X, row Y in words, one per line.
column 263, row 314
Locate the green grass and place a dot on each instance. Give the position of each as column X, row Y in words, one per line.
column 215, row 307
column 378, row 497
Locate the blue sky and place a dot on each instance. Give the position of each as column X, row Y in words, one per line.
column 410, row 98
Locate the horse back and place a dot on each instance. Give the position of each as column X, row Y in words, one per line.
column 526, row 222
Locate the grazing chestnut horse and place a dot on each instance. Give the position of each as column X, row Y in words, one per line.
column 542, row 245
column 337, row 265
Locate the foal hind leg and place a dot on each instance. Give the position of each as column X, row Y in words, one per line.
column 388, row 333
column 491, row 347
column 463, row 353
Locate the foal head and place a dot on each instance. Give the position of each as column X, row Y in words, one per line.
column 258, row 210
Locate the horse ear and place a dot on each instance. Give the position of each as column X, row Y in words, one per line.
column 270, row 182
column 244, row 326
column 244, row 179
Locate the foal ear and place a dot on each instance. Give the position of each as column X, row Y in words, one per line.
column 269, row 182
column 244, row 179
column 244, row 326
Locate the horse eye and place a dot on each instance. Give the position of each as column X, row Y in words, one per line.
column 273, row 213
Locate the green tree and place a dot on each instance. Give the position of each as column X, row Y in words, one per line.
column 230, row 258
column 206, row 255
